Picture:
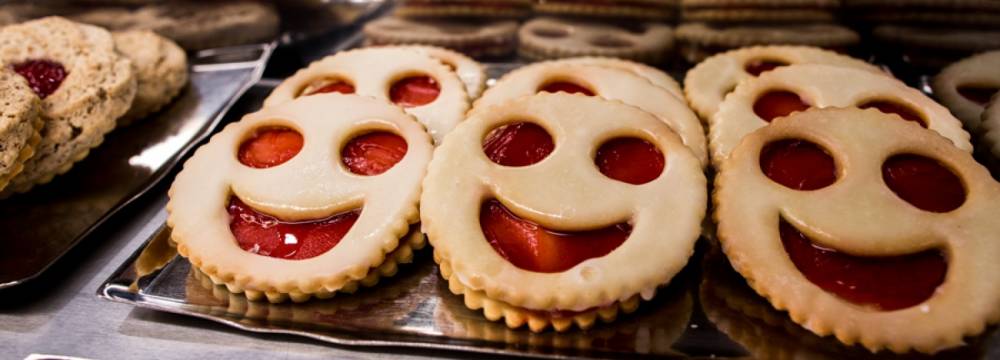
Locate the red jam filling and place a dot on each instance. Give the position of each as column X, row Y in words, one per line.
column 923, row 182
column 266, row 235
column 414, row 91
column 44, row 76
column 518, row 144
column 373, row 153
column 631, row 160
column 758, row 67
column 334, row 86
column 798, row 164
column 886, row 282
column 532, row 247
column 889, row 107
column 566, row 87
column 978, row 94
column 270, row 147
column 776, row 104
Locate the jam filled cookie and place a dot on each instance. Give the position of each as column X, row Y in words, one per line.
column 864, row 227
column 698, row 41
column 965, row 87
column 655, row 10
column 489, row 38
column 551, row 38
column 20, row 122
column 302, row 199
column 780, row 92
column 654, row 75
column 711, row 80
column 161, row 70
column 84, row 84
column 603, row 82
column 464, row 8
column 510, row 205
column 469, row 71
column 423, row 86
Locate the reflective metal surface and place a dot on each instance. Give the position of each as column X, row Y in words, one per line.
column 40, row 226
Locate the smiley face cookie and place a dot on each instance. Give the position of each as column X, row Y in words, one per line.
column 966, row 86
column 549, row 209
column 303, row 199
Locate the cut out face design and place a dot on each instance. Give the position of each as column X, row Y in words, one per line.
column 302, row 190
column 558, row 189
column 425, row 87
column 789, row 89
column 844, row 214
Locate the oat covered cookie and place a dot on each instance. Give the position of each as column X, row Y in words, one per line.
column 84, row 84
column 20, row 122
column 161, row 70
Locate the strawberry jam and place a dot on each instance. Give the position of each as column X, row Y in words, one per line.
column 532, row 247
column 414, row 91
column 566, row 87
column 266, row 235
column 758, row 67
column 334, row 86
column 44, row 76
column 978, row 94
column 270, row 147
column 631, row 160
column 923, row 182
column 776, row 104
column 885, row 283
column 798, row 164
column 888, row 107
column 373, row 153
column 518, row 144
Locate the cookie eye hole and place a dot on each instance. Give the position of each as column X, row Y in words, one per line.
column 269, row 147
column 551, row 33
column 978, row 94
column 628, row 159
column 43, row 76
column 566, row 87
column 518, row 144
column 923, row 182
column 327, row 85
column 373, row 153
column 757, row 67
column 608, row 41
column 414, row 91
column 890, row 107
column 798, row 164
column 778, row 103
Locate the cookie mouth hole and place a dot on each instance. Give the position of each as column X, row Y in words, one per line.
column 608, row 41
column 518, row 144
column 798, row 164
column 884, row 283
column 550, row 33
column 413, row 91
column 43, row 76
column 924, row 182
column 631, row 160
column 979, row 94
column 892, row 107
column 269, row 147
column 327, row 85
column 566, row 86
column 373, row 153
column 266, row 235
column 532, row 247
column 777, row 103
column 760, row 66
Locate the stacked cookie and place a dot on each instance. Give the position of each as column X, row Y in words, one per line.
column 713, row 26
column 650, row 10
column 555, row 38
column 67, row 85
column 476, row 28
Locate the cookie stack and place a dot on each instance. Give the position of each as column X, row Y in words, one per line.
column 651, row 10
column 712, row 26
column 555, row 38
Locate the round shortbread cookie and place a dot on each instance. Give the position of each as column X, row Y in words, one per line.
column 469, row 71
column 85, row 85
column 161, row 70
column 464, row 8
column 481, row 38
column 20, row 121
column 654, row 75
column 990, row 127
column 708, row 83
column 966, row 87
column 551, row 38
column 700, row 40
column 822, row 86
column 633, row 9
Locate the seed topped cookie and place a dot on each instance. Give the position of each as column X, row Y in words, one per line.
column 161, row 70
column 84, row 84
column 19, row 124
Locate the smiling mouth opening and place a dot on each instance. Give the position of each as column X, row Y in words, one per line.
column 884, row 283
column 266, row 235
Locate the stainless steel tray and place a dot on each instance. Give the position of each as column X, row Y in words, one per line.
column 45, row 223
column 706, row 311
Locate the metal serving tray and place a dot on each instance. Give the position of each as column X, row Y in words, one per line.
column 45, row 223
column 706, row 311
